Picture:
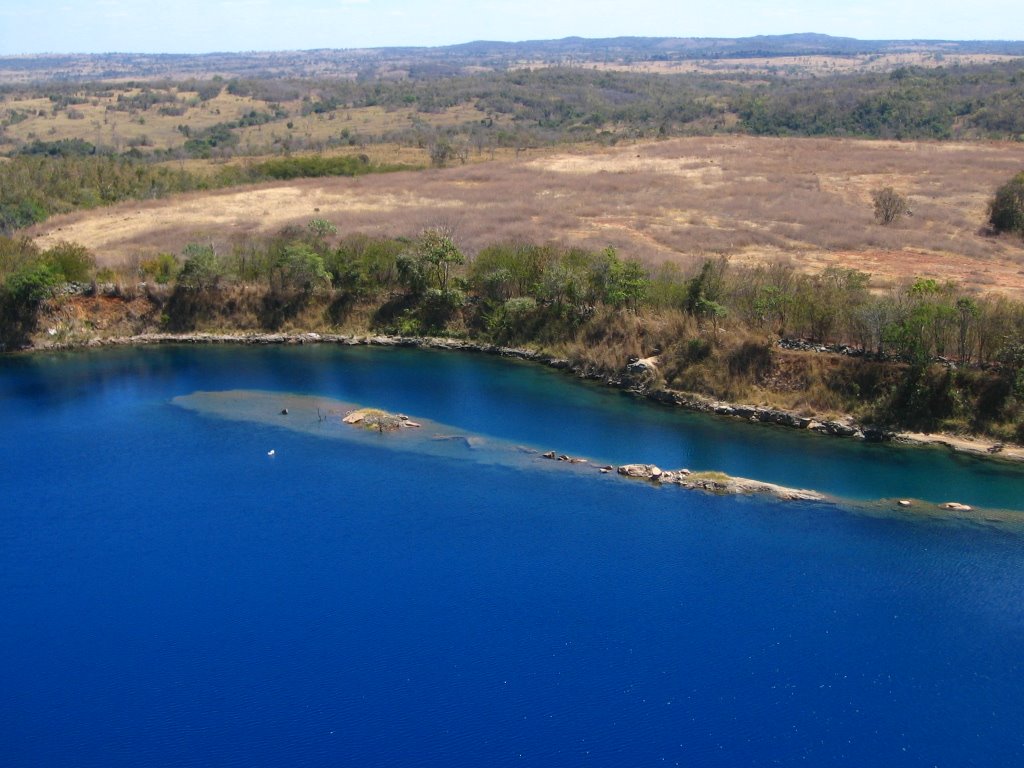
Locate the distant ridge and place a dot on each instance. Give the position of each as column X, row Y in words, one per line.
column 796, row 44
column 461, row 58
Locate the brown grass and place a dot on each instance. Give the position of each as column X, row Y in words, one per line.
column 806, row 201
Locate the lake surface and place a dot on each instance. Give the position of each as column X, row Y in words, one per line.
column 172, row 595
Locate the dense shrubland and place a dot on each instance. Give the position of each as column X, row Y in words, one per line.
column 925, row 354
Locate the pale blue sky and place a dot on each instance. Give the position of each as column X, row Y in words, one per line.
column 195, row 26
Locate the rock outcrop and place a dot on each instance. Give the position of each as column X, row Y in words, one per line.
column 716, row 482
column 375, row 419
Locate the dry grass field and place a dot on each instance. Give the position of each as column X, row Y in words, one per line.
column 804, row 201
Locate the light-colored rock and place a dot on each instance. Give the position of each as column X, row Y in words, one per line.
column 955, row 506
column 644, row 471
column 643, row 365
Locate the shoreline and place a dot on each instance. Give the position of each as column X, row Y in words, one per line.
column 844, row 427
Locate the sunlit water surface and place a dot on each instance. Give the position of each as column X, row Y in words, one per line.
column 172, row 595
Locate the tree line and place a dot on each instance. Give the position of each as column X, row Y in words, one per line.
column 924, row 354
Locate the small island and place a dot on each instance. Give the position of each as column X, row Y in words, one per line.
column 374, row 419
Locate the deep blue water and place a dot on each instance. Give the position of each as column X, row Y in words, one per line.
column 170, row 595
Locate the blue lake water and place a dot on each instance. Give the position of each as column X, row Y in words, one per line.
column 171, row 595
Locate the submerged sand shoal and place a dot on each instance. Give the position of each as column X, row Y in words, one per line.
column 338, row 420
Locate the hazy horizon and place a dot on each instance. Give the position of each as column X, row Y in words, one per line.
column 228, row 26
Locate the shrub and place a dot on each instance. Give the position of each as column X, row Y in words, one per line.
column 163, row 268
column 32, row 284
column 311, row 167
column 514, row 320
column 438, row 307
column 15, row 254
column 1006, row 209
column 890, row 205
column 697, row 350
column 751, row 359
column 23, row 213
column 71, row 261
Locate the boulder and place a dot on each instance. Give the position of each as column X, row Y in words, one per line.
column 954, row 506
column 643, row 471
column 877, row 435
column 677, row 476
column 839, row 430
column 642, row 365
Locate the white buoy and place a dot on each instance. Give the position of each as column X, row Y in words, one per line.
column 271, row 452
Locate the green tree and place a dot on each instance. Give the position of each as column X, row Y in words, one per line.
column 202, row 270
column 620, row 283
column 302, row 269
column 924, row 327
column 411, row 273
column 771, row 306
column 438, row 255
column 511, row 269
column 320, row 230
column 705, row 292
column 967, row 311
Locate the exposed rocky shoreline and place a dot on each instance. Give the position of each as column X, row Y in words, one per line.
column 633, row 379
